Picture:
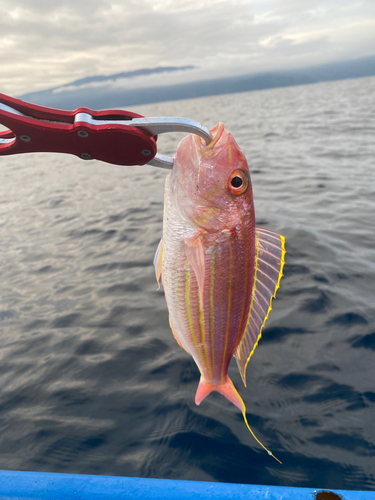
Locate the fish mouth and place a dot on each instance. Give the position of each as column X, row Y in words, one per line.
column 216, row 132
column 209, row 149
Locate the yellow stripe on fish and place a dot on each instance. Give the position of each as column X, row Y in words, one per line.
column 188, row 307
column 212, row 306
column 228, row 309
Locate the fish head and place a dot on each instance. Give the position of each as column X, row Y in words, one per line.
column 211, row 183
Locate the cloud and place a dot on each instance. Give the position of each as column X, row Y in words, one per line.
column 138, row 81
column 46, row 44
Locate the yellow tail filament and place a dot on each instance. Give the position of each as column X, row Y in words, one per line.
column 256, row 439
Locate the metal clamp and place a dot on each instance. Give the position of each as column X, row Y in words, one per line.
column 114, row 136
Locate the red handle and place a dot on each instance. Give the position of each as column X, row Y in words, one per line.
column 35, row 128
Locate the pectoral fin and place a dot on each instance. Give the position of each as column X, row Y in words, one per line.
column 195, row 255
column 269, row 263
column 158, row 261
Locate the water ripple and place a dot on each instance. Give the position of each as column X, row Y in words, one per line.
column 92, row 380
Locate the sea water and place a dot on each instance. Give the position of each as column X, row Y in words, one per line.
column 91, row 378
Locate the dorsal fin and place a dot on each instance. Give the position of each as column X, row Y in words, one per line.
column 269, row 263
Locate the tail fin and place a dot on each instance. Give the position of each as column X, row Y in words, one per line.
column 203, row 390
column 228, row 390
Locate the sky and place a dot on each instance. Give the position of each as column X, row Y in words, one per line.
column 45, row 43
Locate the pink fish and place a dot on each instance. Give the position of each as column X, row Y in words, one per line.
column 219, row 271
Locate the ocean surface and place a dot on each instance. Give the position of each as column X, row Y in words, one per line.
column 91, row 378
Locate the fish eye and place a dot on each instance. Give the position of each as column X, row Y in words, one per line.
column 238, row 182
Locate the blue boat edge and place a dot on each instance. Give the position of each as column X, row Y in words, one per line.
column 58, row 486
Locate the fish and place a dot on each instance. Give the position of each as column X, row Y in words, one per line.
column 219, row 271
